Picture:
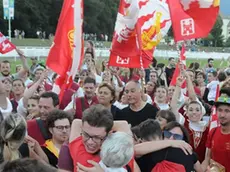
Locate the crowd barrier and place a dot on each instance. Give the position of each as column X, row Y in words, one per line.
column 102, row 52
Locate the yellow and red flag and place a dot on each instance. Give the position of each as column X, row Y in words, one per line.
column 140, row 26
column 66, row 53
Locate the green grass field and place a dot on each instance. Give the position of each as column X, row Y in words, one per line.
column 203, row 62
column 47, row 43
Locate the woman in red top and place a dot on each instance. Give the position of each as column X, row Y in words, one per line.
column 198, row 130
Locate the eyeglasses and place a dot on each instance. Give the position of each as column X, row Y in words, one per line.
column 95, row 139
column 61, row 127
column 168, row 134
column 223, row 99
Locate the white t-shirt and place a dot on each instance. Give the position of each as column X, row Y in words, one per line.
column 212, row 90
column 21, row 109
column 8, row 110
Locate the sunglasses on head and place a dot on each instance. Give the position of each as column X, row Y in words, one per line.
column 168, row 134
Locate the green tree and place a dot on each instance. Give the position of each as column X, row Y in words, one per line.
column 215, row 37
column 217, row 33
column 34, row 15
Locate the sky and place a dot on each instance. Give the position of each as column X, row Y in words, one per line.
column 225, row 7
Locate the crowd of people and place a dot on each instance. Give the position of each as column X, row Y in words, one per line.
column 114, row 119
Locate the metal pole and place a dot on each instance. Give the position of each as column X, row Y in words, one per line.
column 9, row 25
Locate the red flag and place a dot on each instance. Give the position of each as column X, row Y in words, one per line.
column 124, row 44
column 5, row 45
column 193, row 18
column 139, row 28
column 177, row 70
column 214, row 117
column 66, row 53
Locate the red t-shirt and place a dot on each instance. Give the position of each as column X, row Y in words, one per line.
column 80, row 155
column 219, row 144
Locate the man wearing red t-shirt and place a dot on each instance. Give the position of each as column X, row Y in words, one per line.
column 37, row 127
column 218, row 143
column 87, row 137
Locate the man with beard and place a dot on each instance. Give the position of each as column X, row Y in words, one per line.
column 210, row 65
column 218, row 142
column 58, row 124
column 37, row 128
column 5, row 67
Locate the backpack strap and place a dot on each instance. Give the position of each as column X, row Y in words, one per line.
column 42, row 129
column 83, row 104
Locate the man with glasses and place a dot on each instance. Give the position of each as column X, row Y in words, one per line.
column 58, row 124
column 218, row 142
column 86, row 138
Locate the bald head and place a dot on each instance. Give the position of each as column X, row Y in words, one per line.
column 133, row 91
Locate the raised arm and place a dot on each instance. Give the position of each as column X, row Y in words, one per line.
column 25, row 67
column 176, row 97
column 190, row 87
column 30, row 92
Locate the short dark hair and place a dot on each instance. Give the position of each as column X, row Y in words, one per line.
column 222, row 76
column 210, row 59
column 98, row 116
column 26, row 165
column 175, row 124
column 111, row 88
column 171, row 58
column 89, row 80
column 89, row 52
column 166, row 114
column 55, row 115
column 214, row 73
column 150, row 129
column 136, row 131
column 51, row 95
column 5, row 61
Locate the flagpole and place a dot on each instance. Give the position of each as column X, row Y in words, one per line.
column 9, row 26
